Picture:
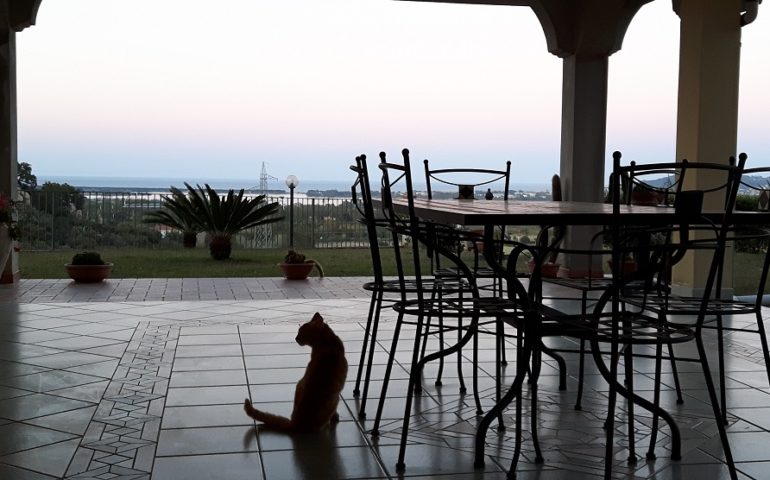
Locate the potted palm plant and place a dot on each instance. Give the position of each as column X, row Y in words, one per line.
column 177, row 212
column 223, row 217
column 88, row 267
column 296, row 266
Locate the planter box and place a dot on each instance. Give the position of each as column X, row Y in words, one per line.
column 88, row 273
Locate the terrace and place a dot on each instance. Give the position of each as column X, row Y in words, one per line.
column 144, row 378
column 99, row 385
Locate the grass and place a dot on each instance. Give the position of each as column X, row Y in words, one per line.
column 347, row 262
column 186, row 263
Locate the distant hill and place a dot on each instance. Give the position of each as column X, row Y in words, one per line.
column 749, row 182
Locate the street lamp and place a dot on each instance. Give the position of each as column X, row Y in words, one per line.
column 292, row 182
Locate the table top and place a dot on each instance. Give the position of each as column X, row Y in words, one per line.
column 517, row 212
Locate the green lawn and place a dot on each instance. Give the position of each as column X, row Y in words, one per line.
column 180, row 263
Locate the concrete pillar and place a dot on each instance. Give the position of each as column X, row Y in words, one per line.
column 8, row 152
column 583, row 138
column 707, row 117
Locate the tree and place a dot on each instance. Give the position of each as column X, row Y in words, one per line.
column 24, row 177
column 178, row 212
column 63, row 196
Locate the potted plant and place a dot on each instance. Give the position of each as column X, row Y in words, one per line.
column 88, row 267
column 223, row 217
column 296, row 267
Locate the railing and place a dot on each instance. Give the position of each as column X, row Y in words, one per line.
column 54, row 220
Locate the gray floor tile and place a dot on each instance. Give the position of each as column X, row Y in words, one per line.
column 15, row 437
column 16, row 473
column 206, row 395
column 206, row 416
column 71, row 421
column 208, row 378
column 238, row 466
column 204, row 441
column 37, row 405
column 49, row 459
column 323, row 462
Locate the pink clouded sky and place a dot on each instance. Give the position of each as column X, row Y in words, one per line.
column 201, row 89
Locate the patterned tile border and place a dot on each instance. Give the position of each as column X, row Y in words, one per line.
column 121, row 439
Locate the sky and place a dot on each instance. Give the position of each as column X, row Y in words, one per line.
column 201, row 89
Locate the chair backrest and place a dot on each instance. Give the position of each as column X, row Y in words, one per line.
column 754, row 194
column 361, row 195
column 714, row 227
column 433, row 237
column 473, row 177
column 394, row 177
column 672, row 187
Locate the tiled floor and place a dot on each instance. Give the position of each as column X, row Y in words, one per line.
column 153, row 389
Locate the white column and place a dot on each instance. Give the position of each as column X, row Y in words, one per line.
column 583, row 138
column 707, row 116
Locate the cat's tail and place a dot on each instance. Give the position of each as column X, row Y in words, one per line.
column 275, row 421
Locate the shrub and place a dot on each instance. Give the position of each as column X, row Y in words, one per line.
column 87, row 258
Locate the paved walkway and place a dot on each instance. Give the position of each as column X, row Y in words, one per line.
column 176, row 289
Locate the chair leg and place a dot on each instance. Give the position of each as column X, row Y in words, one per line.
column 676, row 436
column 463, row 389
column 499, row 351
column 414, row 377
column 425, row 335
column 582, row 361
column 537, row 362
column 763, row 338
column 609, row 424
column 628, row 364
column 672, row 358
column 386, row 379
column 441, row 343
column 581, row 375
column 721, row 366
column 715, row 407
column 425, row 341
column 675, row 373
column 522, row 360
column 373, row 342
column 656, row 400
column 475, row 375
column 372, row 302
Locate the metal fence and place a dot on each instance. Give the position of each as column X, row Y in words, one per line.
column 82, row 220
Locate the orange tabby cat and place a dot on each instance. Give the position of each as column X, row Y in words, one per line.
column 318, row 392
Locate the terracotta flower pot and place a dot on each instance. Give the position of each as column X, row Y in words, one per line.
column 88, row 273
column 220, row 247
column 296, row 271
column 547, row 269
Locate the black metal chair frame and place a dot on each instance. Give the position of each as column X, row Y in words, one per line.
column 384, row 291
column 622, row 328
column 461, row 305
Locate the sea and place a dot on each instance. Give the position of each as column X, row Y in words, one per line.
column 162, row 184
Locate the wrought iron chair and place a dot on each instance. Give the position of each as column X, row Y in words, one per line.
column 619, row 328
column 663, row 302
column 471, row 312
column 385, row 291
column 652, row 185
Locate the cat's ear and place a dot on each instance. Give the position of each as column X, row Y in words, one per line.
column 317, row 318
